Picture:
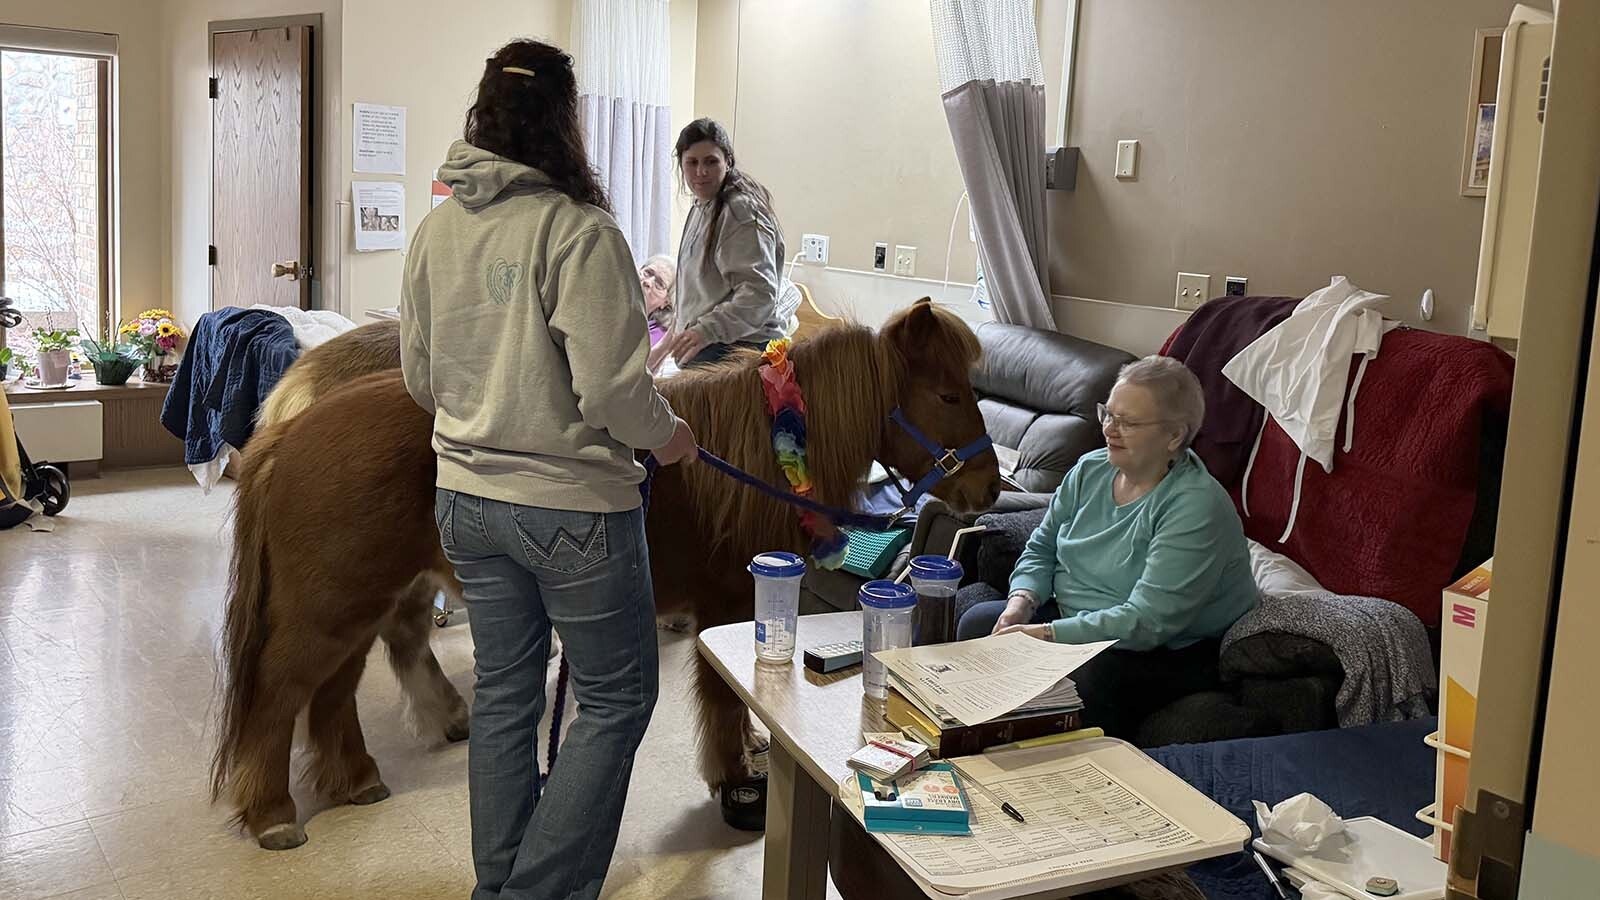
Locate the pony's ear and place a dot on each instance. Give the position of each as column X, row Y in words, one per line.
column 913, row 329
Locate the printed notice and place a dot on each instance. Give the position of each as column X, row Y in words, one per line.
column 380, row 215
column 380, row 139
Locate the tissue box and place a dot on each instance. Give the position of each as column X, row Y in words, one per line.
column 1465, row 616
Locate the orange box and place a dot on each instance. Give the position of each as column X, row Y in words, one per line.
column 1465, row 616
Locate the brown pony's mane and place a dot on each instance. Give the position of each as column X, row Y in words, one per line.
column 851, row 379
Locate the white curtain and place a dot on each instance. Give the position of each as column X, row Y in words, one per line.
column 992, row 84
column 622, row 51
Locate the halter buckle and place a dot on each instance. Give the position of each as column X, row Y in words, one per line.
column 950, row 463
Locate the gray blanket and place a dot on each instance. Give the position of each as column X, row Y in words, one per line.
column 1388, row 667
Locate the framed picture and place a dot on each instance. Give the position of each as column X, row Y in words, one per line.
column 1481, row 97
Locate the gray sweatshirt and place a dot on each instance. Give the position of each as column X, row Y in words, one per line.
column 523, row 331
column 730, row 294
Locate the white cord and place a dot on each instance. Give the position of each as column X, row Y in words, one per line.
column 788, row 273
column 949, row 245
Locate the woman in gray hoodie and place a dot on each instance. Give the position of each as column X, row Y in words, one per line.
column 523, row 331
column 730, row 258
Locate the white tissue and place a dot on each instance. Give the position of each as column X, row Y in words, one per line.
column 1302, row 820
column 1316, row 890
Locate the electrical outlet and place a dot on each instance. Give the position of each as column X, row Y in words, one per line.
column 1237, row 285
column 814, row 249
column 880, row 256
column 905, row 260
column 1193, row 290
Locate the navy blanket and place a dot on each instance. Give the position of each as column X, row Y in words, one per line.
column 1374, row 770
column 234, row 358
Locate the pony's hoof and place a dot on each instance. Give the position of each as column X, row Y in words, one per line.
column 369, row 796
column 455, row 733
column 744, row 804
column 282, row 837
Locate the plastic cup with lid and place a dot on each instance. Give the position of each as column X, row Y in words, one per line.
column 887, row 613
column 935, row 580
column 777, row 576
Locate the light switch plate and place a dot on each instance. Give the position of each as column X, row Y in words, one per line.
column 1127, row 159
column 905, row 260
column 1193, row 290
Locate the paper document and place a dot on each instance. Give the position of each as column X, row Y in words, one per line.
column 380, row 210
column 380, row 139
column 1078, row 816
column 975, row 681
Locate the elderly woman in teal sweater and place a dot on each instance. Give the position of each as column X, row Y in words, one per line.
column 1140, row 545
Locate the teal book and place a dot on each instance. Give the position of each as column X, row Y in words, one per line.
column 930, row 800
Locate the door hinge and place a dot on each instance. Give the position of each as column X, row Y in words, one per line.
column 211, row 88
column 211, row 254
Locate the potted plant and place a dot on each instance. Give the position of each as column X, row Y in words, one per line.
column 55, row 354
column 157, row 336
column 5, row 363
column 113, row 364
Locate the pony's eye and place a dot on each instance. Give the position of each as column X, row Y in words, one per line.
column 951, row 399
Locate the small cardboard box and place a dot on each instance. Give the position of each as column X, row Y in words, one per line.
column 1465, row 616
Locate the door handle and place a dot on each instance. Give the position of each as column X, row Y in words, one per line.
column 290, row 268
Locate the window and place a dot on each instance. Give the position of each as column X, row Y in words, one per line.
column 55, row 203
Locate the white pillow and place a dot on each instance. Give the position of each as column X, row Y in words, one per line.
column 1279, row 575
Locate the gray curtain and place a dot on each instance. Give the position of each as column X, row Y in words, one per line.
column 993, row 92
column 622, row 53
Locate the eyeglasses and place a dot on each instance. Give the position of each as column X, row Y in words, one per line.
column 651, row 279
column 1110, row 420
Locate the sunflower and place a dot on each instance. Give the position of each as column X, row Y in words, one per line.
column 166, row 329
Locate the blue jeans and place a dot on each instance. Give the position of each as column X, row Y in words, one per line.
column 979, row 621
column 523, row 570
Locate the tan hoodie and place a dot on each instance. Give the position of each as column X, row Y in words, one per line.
column 523, row 330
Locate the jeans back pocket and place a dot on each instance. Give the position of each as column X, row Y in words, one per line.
column 561, row 541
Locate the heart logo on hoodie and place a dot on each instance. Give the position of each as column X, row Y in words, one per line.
column 502, row 279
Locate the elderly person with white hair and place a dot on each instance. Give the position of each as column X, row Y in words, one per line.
column 1140, row 545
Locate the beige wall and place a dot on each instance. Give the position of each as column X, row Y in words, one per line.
column 187, row 141
column 836, row 108
column 685, row 39
column 142, row 213
column 1286, row 142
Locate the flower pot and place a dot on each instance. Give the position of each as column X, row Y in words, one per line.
column 53, row 367
column 115, row 372
column 160, row 369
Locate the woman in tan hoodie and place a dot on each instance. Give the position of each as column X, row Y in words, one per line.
column 523, row 330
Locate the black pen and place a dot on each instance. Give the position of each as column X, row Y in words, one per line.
column 1272, row 877
column 1005, row 807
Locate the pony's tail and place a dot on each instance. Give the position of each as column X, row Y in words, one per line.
column 293, row 395
column 245, row 628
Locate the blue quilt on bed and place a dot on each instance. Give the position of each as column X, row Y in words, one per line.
column 1374, row 770
column 233, row 359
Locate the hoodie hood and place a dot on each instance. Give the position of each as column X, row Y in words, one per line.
column 476, row 176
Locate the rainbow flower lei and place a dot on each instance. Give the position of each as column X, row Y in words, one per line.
column 786, row 404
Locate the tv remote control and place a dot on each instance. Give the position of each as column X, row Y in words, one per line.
column 833, row 657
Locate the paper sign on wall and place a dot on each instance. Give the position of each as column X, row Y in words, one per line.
column 441, row 191
column 380, row 215
column 380, row 139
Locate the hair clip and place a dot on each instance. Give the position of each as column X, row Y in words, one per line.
column 517, row 70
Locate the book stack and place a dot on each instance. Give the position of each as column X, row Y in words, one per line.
column 1056, row 710
column 888, row 756
column 929, row 801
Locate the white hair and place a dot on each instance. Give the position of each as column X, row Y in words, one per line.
column 1175, row 389
column 667, row 266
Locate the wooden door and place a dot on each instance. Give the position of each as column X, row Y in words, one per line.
column 261, row 167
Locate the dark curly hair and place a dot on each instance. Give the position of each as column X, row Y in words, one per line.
column 533, row 118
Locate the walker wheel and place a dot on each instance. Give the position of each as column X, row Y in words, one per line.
column 58, row 491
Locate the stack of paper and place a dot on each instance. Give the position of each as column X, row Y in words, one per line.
column 972, row 682
column 888, row 756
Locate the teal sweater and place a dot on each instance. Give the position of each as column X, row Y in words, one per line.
column 1167, row 570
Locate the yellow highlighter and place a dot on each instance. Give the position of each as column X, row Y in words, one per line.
column 1050, row 739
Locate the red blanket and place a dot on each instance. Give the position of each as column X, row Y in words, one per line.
column 1391, row 519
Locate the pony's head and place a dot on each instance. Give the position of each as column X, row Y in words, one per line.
column 935, row 352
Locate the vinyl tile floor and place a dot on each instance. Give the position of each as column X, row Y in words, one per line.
column 107, row 667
